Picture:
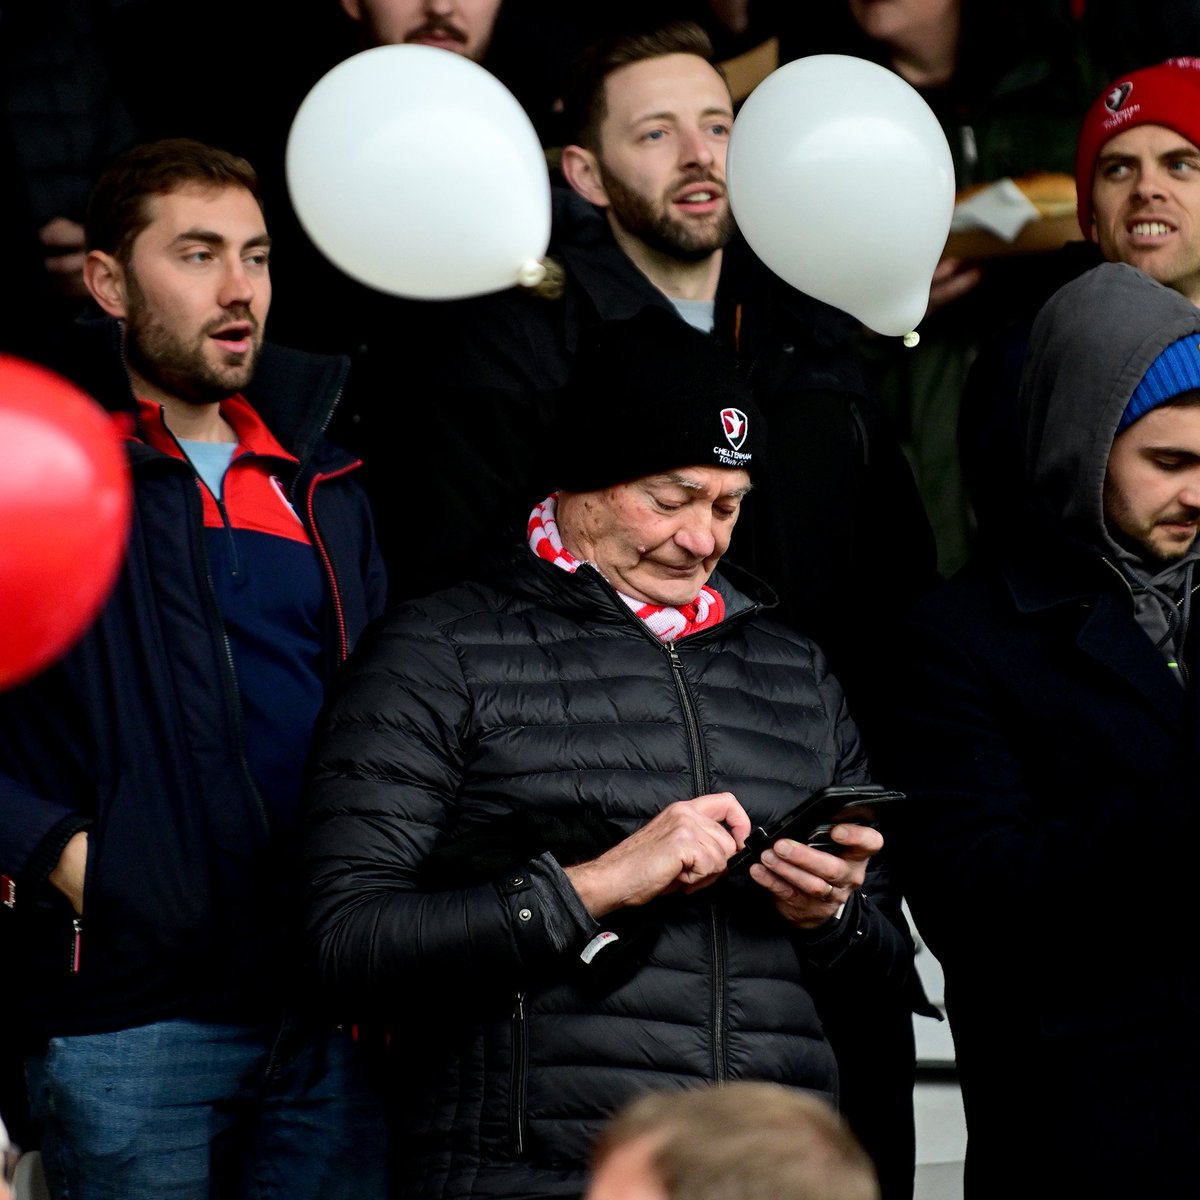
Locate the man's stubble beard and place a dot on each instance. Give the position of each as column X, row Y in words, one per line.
column 1153, row 556
column 178, row 368
column 658, row 227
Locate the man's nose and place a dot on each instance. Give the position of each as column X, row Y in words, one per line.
column 695, row 150
column 439, row 8
column 695, row 533
column 236, row 285
column 1189, row 494
column 1151, row 183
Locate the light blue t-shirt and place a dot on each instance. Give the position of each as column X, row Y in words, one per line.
column 211, row 460
column 697, row 313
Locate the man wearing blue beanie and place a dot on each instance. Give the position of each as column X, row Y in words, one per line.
column 1047, row 737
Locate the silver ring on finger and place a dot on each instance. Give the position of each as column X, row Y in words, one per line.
column 829, row 889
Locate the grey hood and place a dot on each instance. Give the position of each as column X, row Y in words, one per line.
column 1090, row 346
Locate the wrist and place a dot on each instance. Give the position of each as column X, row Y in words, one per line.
column 592, row 886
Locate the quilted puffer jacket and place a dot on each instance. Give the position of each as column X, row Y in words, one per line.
column 543, row 694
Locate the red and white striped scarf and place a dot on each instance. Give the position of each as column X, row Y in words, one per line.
column 665, row 622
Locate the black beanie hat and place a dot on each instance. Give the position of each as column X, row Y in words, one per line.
column 651, row 394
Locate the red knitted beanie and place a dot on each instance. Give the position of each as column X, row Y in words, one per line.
column 1167, row 94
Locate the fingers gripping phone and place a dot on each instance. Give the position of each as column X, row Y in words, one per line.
column 812, row 820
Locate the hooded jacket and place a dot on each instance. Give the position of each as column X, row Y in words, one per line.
column 137, row 735
column 1090, row 346
column 1097, row 340
column 539, row 703
column 1051, row 760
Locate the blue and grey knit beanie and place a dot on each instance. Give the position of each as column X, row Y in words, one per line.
column 1174, row 371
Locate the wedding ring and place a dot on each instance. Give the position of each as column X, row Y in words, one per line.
column 828, row 892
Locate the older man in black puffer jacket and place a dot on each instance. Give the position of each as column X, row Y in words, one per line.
column 527, row 790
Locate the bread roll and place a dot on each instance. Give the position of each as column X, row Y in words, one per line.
column 1050, row 192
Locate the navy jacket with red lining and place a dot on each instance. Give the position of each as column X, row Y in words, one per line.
column 138, row 735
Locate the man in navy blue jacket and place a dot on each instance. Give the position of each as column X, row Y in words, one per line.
column 149, row 781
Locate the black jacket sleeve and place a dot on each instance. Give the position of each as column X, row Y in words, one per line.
column 386, row 769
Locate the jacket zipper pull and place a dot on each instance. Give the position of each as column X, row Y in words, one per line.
column 76, row 944
column 516, row 1098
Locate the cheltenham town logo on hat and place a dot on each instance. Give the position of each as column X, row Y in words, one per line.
column 734, row 422
column 1115, row 99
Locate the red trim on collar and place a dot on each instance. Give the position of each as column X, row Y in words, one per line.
column 253, row 435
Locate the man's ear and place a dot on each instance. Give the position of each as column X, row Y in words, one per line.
column 105, row 279
column 353, row 9
column 581, row 169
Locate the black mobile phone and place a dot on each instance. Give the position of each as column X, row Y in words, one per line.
column 812, row 819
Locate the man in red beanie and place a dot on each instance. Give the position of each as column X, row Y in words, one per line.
column 1137, row 178
column 1137, row 173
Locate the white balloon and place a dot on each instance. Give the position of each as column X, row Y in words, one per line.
column 841, row 181
column 417, row 172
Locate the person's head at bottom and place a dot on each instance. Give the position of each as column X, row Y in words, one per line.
column 740, row 1141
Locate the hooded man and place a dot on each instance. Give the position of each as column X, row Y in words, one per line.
column 1048, row 741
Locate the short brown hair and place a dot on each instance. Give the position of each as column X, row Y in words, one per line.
column 117, row 210
column 584, row 102
column 743, row 1141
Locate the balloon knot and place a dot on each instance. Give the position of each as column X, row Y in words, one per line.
column 531, row 273
column 911, row 338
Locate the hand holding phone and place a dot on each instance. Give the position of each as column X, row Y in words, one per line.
column 812, row 820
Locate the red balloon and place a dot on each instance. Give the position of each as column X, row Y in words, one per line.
column 65, row 501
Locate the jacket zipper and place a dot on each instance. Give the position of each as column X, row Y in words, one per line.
column 76, row 944
column 691, row 724
column 229, row 685
column 230, row 540
column 700, row 784
column 229, row 679
column 327, row 562
column 233, row 703
column 716, row 920
column 516, row 1100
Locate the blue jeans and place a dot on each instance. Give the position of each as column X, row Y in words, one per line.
column 182, row 1110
